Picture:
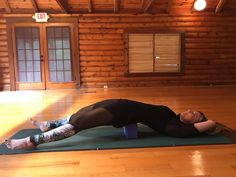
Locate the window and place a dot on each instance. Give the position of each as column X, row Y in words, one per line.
column 154, row 53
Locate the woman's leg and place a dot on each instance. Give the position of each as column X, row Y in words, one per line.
column 56, row 134
column 93, row 118
column 51, row 124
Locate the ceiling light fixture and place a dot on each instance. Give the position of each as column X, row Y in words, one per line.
column 199, row 5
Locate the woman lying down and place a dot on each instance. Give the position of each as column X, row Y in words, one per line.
column 119, row 113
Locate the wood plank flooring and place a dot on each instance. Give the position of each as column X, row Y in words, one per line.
column 219, row 103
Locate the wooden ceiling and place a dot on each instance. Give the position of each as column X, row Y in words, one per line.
column 113, row 6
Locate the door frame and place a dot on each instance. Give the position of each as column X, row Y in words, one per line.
column 72, row 22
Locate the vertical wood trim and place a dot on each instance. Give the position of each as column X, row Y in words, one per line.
column 126, row 62
column 169, row 6
column 7, row 6
column 182, row 52
column 43, row 56
column 14, row 56
column 220, row 6
column 90, row 6
column 11, row 56
column 126, row 52
column 75, row 51
column 44, row 53
column 153, row 52
column 116, row 6
column 142, row 4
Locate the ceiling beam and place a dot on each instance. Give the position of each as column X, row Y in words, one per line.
column 192, row 7
column 143, row 2
column 64, row 5
column 90, row 6
column 7, row 6
column 116, row 6
column 169, row 6
column 220, row 6
column 35, row 5
column 148, row 6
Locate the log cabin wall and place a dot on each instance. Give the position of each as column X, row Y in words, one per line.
column 4, row 63
column 210, row 55
column 210, row 39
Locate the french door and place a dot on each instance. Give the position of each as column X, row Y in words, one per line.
column 44, row 56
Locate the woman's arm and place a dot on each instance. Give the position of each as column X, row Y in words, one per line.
column 205, row 126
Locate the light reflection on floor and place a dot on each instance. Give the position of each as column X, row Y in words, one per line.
column 197, row 163
column 17, row 107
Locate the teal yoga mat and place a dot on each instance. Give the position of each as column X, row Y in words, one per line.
column 107, row 137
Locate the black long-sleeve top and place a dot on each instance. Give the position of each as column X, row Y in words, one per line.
column 158, row 117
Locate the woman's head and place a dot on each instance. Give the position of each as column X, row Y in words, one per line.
column 190, row 117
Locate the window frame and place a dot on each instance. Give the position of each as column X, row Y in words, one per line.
column 152, row 31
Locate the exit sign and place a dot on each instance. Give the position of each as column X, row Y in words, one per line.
column 41, row 17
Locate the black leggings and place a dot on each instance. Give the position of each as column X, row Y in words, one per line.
column 83, row 119
column 90, row 117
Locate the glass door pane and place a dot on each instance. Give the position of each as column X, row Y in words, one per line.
column 59, row 54
column 28, row 54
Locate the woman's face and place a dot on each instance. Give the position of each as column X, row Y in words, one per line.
column 190, row 117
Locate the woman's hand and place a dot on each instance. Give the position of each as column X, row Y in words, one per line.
column 215, row 130
column 205, row 126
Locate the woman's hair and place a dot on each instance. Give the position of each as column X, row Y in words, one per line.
column 202, row 118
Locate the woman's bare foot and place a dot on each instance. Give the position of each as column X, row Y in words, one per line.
column 41, row 125
column 19, row 144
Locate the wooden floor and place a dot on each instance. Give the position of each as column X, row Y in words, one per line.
column 219, row 103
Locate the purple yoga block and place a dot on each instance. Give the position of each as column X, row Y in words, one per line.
column 130, row 131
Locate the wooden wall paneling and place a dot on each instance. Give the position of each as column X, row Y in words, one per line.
column 203, row 50
column 163, row 7
column 4, row 65
column 210, row 56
